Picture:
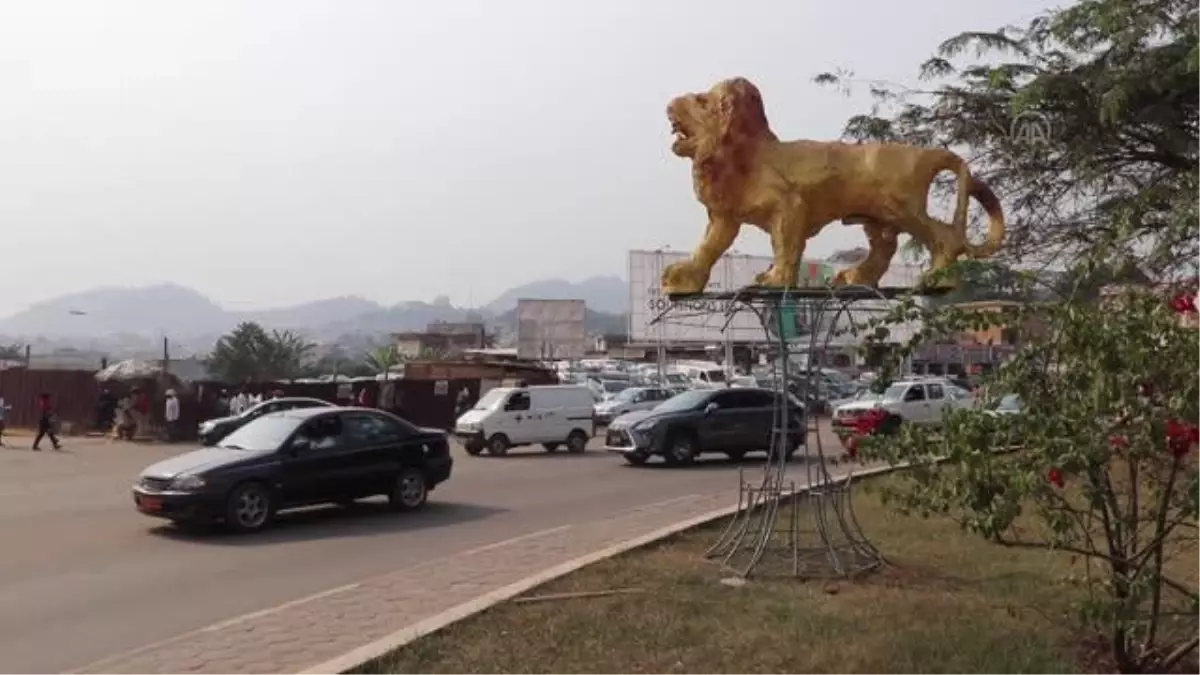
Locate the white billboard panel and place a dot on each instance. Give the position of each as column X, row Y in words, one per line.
column 705, row 321
column 551, row 329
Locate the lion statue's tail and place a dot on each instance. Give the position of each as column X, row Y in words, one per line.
column 995, row 212
column 968, row 187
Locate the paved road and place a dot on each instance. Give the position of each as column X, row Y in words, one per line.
column 83, row 576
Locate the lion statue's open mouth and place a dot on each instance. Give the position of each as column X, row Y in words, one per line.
column 743, row 174
column 683, row 144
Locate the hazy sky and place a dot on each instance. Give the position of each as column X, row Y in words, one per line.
column 271, row 152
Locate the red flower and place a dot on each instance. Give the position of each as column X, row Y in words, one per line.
column 1118, row 441
column 1056, row 477
column 1181, row 436
column 1184, row 303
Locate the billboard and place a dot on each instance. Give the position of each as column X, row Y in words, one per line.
column 710, row 322
column 551, row 329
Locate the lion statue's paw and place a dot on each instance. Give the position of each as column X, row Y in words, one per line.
column 683, row 277
column 776, row 278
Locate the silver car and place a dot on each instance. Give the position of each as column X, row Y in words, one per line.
column 629, row 400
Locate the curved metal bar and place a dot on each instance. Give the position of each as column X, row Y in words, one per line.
column 752, row 541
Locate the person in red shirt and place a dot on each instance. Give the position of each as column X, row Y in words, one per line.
column 45, row 422
column 366, row 398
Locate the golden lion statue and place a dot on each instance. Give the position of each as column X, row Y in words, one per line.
column 743, row 174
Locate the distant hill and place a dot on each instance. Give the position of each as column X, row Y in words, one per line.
column 316, row 313
column 608, row 294
column 115, row 310
column 134, row 316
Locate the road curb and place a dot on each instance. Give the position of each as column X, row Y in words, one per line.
column 389, row 643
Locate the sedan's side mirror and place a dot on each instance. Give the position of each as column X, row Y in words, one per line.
column 711, row 408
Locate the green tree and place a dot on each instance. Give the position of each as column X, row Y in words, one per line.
column 287, row 355
column 1105, row 470
column 13, row 352
column 382, row 358
column 1104, row 467
column 1114, row 86
column 249, row 352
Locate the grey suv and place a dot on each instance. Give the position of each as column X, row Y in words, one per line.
column 729, row 421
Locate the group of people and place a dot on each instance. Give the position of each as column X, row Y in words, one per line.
column 129, row 415
column 242, row 401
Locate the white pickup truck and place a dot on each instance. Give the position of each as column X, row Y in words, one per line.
column 923, row 401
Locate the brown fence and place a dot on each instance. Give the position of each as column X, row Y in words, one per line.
column 74, row 394
column 421, row 402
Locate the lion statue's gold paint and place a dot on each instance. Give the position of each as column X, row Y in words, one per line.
column 743, row 174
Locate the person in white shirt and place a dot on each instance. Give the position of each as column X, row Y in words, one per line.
column 171, row 414
column 238, row 404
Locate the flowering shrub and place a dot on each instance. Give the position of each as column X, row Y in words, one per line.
column 1106, row 469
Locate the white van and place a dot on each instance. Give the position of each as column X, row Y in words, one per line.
column 702, row 375
column 508, row 417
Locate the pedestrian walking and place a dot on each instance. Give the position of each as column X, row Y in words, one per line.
column 239, row 403
column 462, row 402
column 366, row 398
column 223, row 403
column 171, row 415
column 46, row 422
column 141, row 413
column 124, row 424
column 3, row 419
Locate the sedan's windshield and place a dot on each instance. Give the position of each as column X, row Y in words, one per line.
column 627, row 395
column 265, row 433
column 490, row 400
column 1010, row 403
column 688, row 400
column 614, row 386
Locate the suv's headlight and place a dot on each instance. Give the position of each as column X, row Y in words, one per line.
column 188, row 482
column 646, row 426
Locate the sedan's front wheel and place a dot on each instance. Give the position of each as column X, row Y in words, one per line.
column 249, row 508
column 410, row 491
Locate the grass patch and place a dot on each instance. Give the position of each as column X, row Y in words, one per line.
column 946, row 602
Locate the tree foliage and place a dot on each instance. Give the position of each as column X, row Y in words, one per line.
column 1115, row 84
column 250, row 353
column 382, row 359
column 1101, row 463
column 1104, row 467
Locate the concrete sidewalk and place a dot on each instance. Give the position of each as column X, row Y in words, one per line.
column 296, row 635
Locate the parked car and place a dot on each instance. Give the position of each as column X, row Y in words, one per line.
column 508, row 417
column 1009, row 404
column 1006, row 409
column 211, row 431
column 298, row 457
column 609, row 388
column 629, row 400
column 919, row 401
column 731, row 421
